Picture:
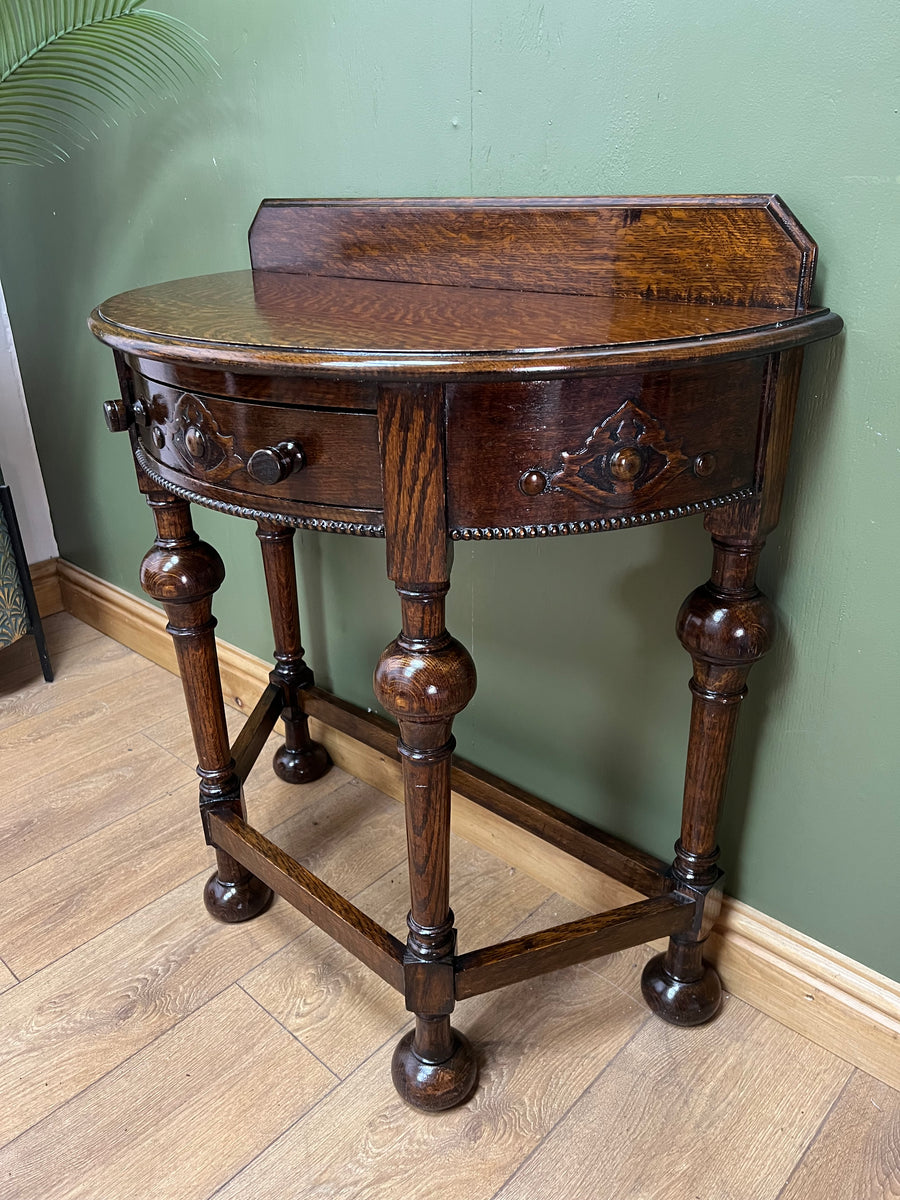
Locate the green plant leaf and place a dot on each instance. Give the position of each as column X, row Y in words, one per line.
column 67, row 65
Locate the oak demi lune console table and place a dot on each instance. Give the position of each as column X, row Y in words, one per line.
column 428, row 371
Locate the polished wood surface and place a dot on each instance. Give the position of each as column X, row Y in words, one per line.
column 182, row 573
column 423, row 679
column 431, row 371
column 746, row 250
column 383, row 329
column 390, row 289
column 193, row 437
column 606, row 449
column 574, row 942
column 271, row 310
column 300, row 759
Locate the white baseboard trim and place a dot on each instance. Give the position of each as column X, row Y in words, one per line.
column 840, row 1004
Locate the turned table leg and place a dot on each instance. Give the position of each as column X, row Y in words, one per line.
column 726, row 625
column 300, row 759
column 182, row 573
column 424, row 678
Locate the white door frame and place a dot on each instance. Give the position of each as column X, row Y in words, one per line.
column 18, row 454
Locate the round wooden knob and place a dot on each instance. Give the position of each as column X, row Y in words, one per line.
column 704, row 465
column 532, row 483
column 194, row 441
column 626, row 464
column 118, row 415
column 273, row 464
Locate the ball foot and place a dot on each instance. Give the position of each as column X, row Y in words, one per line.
column 231, row 902
column 692, row 1002
column 434, row 1086
column 301, row 766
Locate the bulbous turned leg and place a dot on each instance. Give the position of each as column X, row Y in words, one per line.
column 232, row 894
column 434, row 1086
column 300, row 759
column 693, row 1000
column 182, row 573
column 424, row 678
column 302, row 764
column 726, row 625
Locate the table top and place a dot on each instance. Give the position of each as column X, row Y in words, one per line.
column 608, row 361
column 330, row 325
column 434, row 289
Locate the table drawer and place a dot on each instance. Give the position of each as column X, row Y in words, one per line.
column 575, row 450
column 318, row 456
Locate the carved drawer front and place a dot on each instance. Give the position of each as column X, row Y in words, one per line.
column 622, row 449
column 244, row 450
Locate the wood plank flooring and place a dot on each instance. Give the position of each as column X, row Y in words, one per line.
column 147, row 1050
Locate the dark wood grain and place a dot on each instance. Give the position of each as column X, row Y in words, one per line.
column 384, row 330
column 303, row 391
column 301, row 514
column 203, row 439
column 569, row 430
column 424, row 678
column 182, row 573
column 783, row 383
column 432, row 370
column 299, row 759
column 342, row 920
column 413, row 470
column 256, row 729
column 745, row 250
column 726, row 626
column 564, row 945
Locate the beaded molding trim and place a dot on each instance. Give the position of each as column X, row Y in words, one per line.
column 600, row 524
column 486, row 534
column 254, row 514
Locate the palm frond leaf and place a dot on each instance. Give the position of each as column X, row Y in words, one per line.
column 67, row 65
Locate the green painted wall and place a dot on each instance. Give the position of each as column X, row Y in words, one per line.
column 582, row 692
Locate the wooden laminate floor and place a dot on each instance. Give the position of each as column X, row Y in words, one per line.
column 148, row 1051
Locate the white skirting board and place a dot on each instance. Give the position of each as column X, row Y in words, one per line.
column 840, row 1004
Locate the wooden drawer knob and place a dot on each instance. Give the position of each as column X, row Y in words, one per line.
column 626, row 464
column 532, row 483
column 194, row 441
column 704, row 465
column 120, row 415
column 273, row 464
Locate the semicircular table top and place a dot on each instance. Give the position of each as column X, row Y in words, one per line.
column 324, row 324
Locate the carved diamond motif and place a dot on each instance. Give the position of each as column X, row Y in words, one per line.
column 200, row 443
column 627, row 454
